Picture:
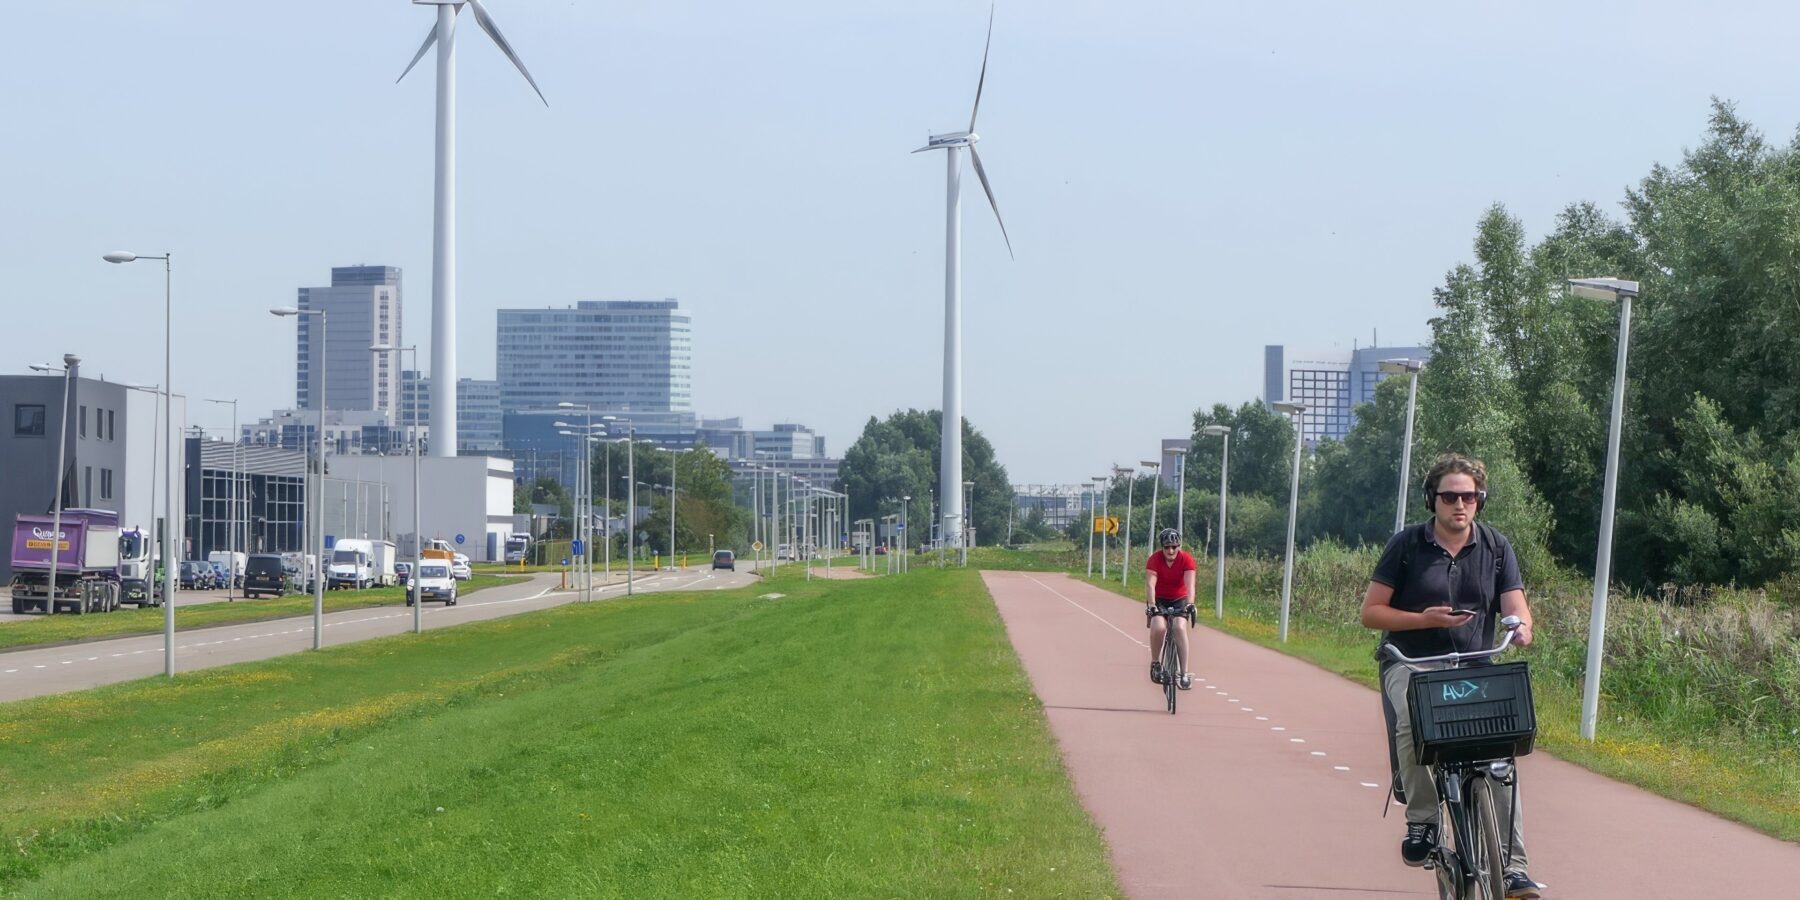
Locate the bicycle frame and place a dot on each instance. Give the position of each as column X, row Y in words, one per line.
column 1171, row 652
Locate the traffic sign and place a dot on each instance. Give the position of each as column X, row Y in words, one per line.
column 900, row 527
column 565, row 560
column 574, row 546
column 756, row 545
column 459, row 537
column 1106, row 525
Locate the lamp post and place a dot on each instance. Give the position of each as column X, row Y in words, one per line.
column 318, row 576
column 1409, row 368
column 1153, row 467
column 968, row 520
column 1623, row 292
column 630, row 500
column 1130, row 490
column 123, row 256
column 1181, row 493
column 584, row 506
column 905, row 501
column 1093, row 518
column 1293, row 410
column 412, row 583
column 1221, row 431
column 70, row 361
column 231, row 518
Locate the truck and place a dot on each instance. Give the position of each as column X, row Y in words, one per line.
column 87, row 562
column 359, row 563
column 231, row 562
column 136, row 574
column 301, row 569
column 518, row 548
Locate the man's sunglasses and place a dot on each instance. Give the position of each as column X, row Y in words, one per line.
column 1468, row 498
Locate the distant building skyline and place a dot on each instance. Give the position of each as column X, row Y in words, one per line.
column 617, row 354
column 1330, row 383
column 362, row 310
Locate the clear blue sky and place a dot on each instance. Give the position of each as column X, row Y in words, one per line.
column 1184, row 183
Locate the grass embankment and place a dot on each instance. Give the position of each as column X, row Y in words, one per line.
column 861, row 738
column 1699, row 703
column 126, row 622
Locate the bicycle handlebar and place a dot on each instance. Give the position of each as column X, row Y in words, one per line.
column 1510, row 623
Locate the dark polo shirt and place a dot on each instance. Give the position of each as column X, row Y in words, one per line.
column 1423, row 574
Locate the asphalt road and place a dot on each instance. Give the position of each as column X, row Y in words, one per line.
column 1270, row 779
column 37, row 672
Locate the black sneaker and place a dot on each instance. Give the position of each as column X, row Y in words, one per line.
column 1156, row 674
column 1520, row 886
column 1421, row 839
column 1187, row 682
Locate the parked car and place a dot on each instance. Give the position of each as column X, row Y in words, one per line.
column 725, row 559
column 784, row 551
column 402, row 571
column 196, row 575
column 460, row 569
column 265, row 574
column 435, row 583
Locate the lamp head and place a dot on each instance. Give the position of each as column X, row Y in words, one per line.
column 119, row 256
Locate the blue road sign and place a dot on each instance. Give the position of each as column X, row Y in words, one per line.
column 900, row 527
column 575, row 546
column 565, row 560
column 330, row 541
column 459, row 538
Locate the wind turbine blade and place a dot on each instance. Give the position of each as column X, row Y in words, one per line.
column 430, row 38
column 487, row 24
column 982, row 174
column 984, row 57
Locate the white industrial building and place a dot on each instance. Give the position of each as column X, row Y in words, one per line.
column 466, row 496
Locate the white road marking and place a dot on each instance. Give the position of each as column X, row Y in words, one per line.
column 1246, row 709
column 1277, row 728
column 1296, row 740
column 1367, row 784
column 1342, row 768
column 1262, row 718
column 1318, row 753
column 1086, row 610
column 10, row 671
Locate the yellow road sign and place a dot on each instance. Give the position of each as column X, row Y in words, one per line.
column 756, row 545
column 1106, row 525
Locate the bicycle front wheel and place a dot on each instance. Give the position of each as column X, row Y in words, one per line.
column 1486, row 864
column 1449, row 876
column 1171, row 669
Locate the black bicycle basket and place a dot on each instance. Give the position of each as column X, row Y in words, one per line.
column 1472, row 714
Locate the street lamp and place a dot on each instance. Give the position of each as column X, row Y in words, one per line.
column 1130, row 490
column 70, row 361
column 1154, row 467
column 412, row 583
column 1410, row 368
column 319, row 575
column 630, row 500
column 1093, row 519
column 584, row 500
column 123, row 256
column 1293, row 410
column 1623, row 292
column 1221, row 431
column 906, row 501
column 968, row 519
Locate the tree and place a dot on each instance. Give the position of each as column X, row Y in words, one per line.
column 1262, row 447
column 899, row 457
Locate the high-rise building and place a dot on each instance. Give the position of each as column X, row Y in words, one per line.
column 607, row 354
column 478, row 417
column 1330, row 383
column 362, row 309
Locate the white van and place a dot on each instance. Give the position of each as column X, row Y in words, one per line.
column 435, row 583
column 352, row 565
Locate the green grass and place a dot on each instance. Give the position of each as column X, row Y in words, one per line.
column 860, row 738
column 127, row 621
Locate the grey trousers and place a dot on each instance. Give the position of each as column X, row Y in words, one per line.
column 1421, row 793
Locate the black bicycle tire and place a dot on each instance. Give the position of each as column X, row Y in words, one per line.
column 1449, row 876
column 1171, row 669
column 1488, row 866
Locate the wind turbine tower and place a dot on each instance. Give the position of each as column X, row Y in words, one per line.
column 950, row 467
column 443, row 221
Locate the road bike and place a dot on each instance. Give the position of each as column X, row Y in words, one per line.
column 1470, row 726
column 1171, row 653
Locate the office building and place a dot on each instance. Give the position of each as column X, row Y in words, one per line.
column 1330, row 383
column 539, row 448
column 362, row 310
column 267, row 511
column 612, row 354
column 479, row 423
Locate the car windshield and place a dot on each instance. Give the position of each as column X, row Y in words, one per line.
column 345, row 556
column 130, row 545
column 434, row 572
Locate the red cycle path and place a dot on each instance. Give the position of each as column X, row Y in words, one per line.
column 1270, row 779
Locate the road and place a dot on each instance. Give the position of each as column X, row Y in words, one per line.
column 37, row 672
column 1275, row 772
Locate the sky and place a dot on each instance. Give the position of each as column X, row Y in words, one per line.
column 1183, row 183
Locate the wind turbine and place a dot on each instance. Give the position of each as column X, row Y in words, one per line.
column 950, row 467
column 443, row 221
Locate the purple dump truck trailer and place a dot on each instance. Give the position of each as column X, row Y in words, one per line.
column 87, row 562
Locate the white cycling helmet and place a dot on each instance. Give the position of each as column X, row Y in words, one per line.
column 1168, row 537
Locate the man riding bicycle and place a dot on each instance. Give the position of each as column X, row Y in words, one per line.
column 1439, row 588
column 1169, row 588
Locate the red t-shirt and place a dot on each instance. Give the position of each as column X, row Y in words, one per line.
column 1170, row 585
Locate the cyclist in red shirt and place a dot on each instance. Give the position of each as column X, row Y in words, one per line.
column 1169, row 586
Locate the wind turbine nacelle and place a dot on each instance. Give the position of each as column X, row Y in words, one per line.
column 953, row 139
column 440, row 2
